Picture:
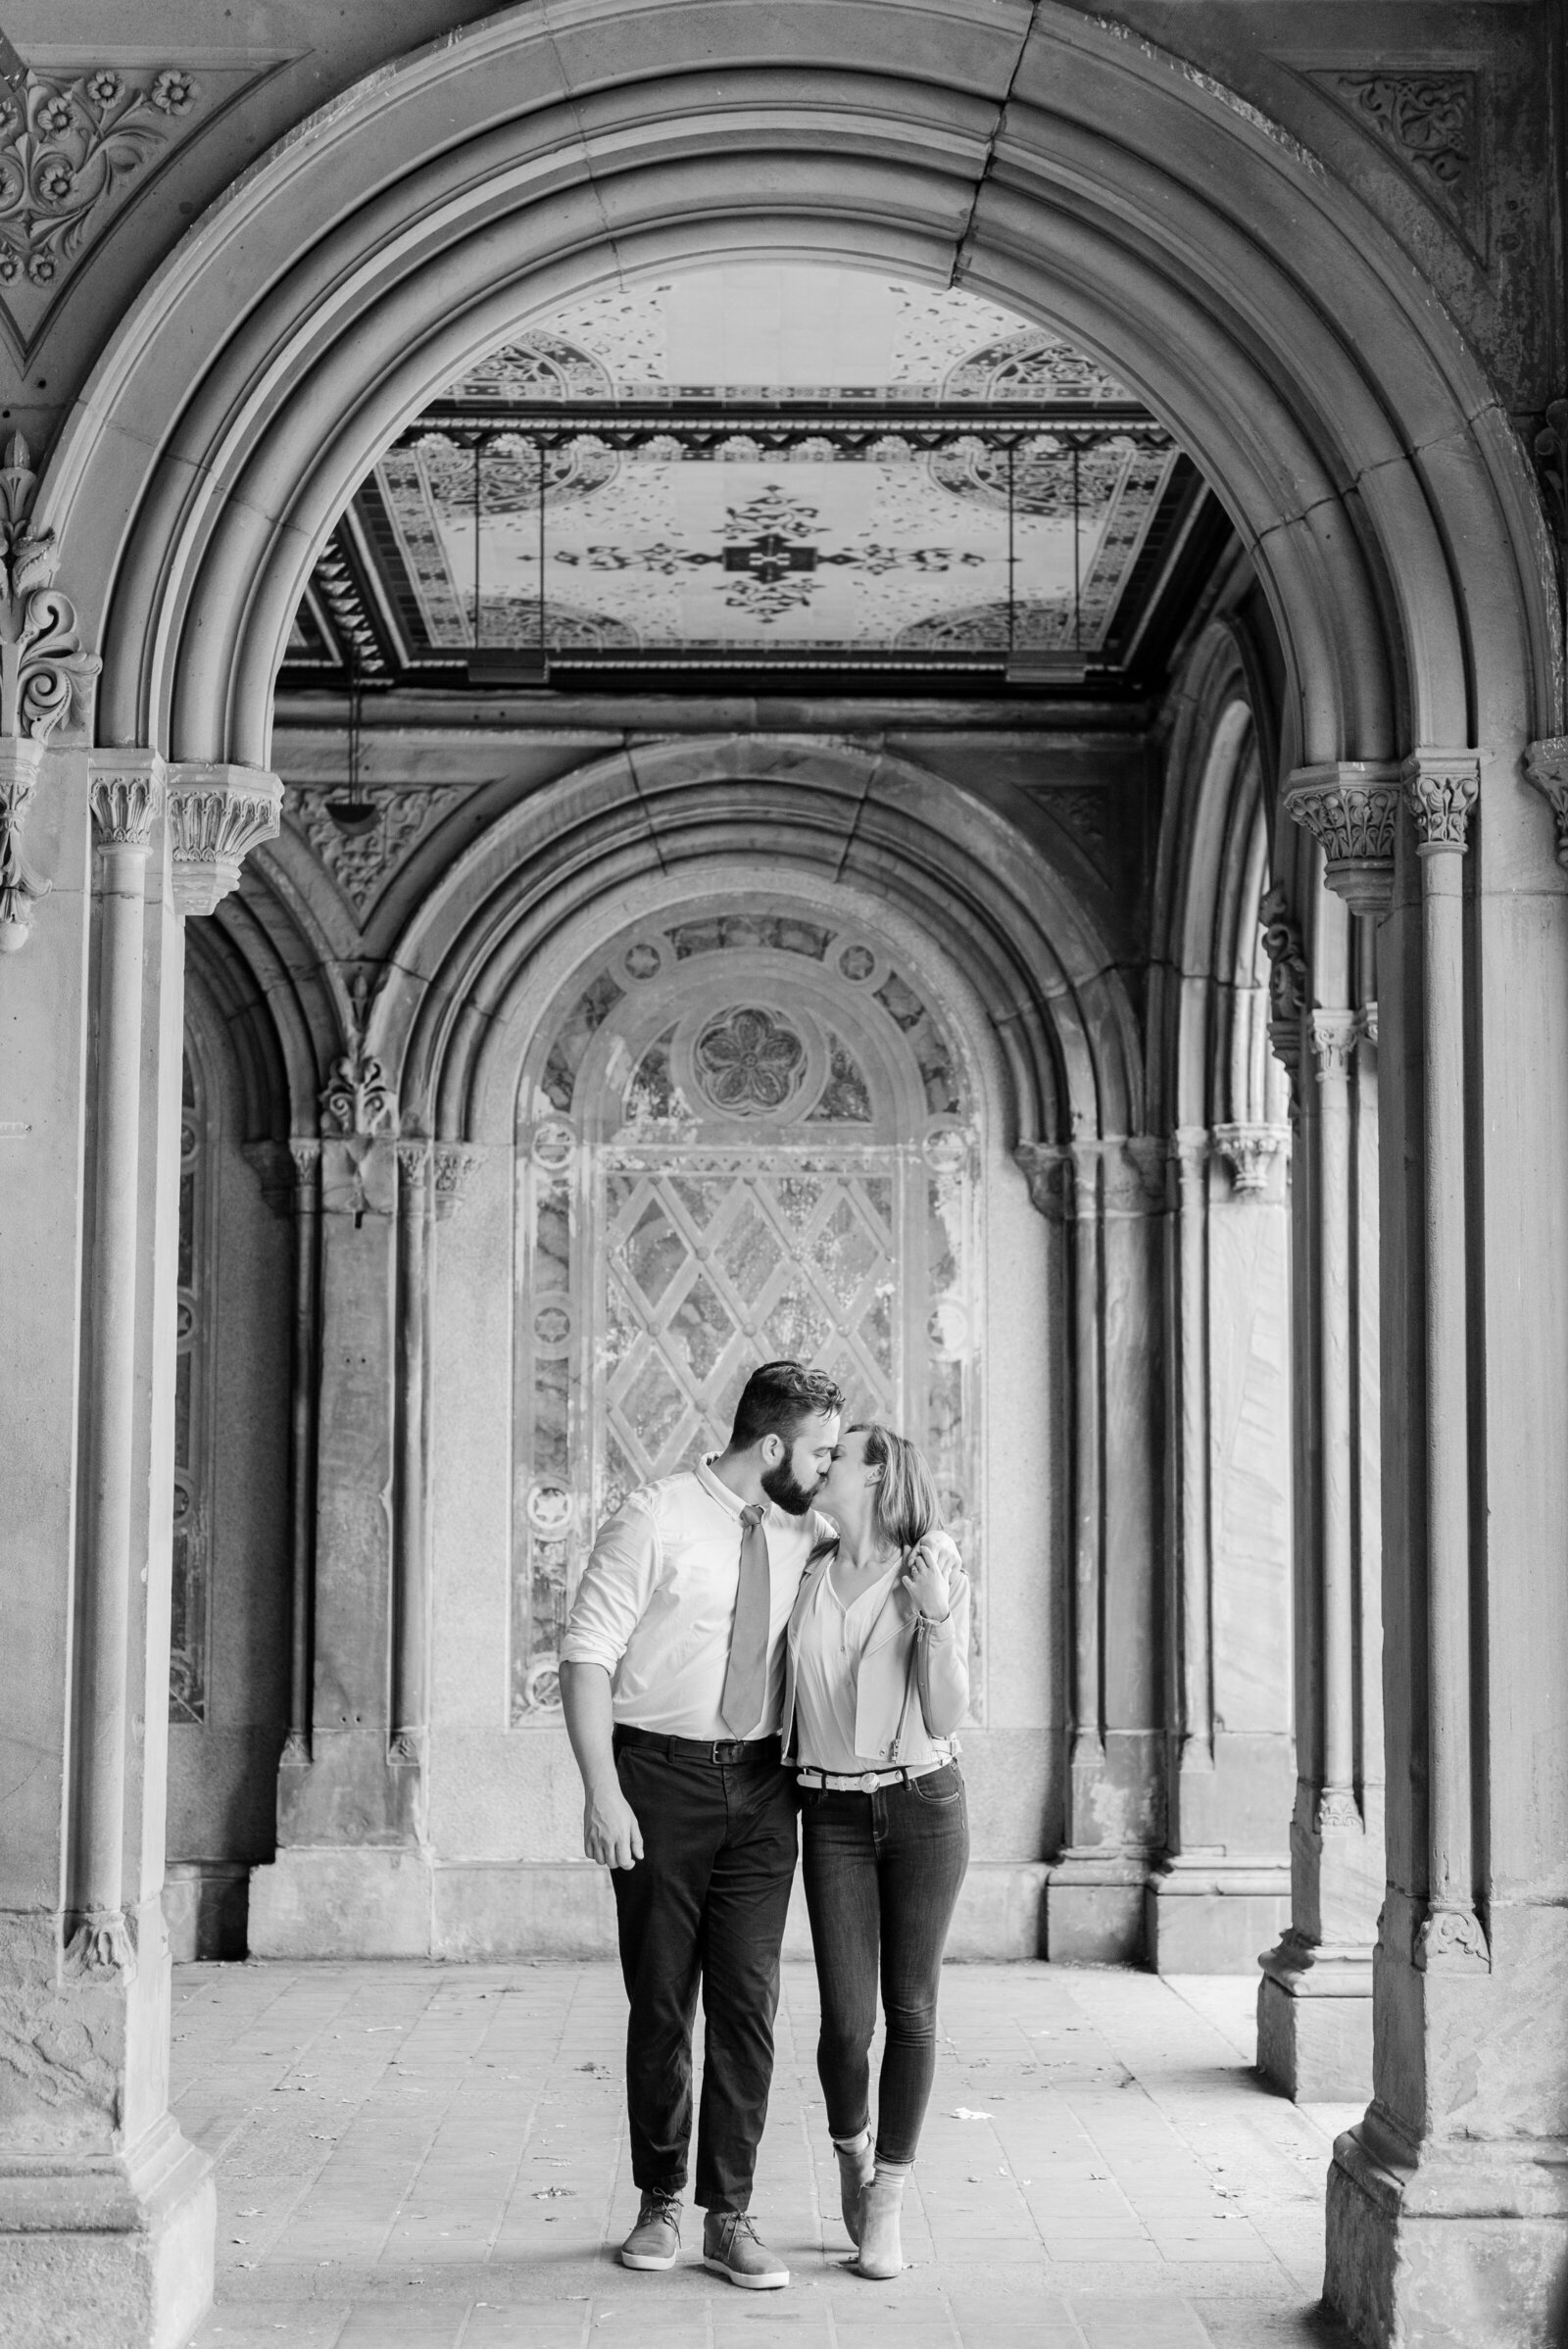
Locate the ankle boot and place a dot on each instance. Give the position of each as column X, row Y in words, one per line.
column 856, row 2162
column 881, row 2254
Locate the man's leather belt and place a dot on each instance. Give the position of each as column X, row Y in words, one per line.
column 727, row 1751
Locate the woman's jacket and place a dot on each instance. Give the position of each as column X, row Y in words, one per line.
column 913, row 1685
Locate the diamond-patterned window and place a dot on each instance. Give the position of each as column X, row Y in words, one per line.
column 769, row 1150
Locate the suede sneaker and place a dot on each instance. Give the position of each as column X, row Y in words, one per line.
column 732, row 2247
column 654, row 2241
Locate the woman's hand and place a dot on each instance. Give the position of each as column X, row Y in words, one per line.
column 925, row 1578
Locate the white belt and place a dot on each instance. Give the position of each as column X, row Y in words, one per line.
column 865, row 1782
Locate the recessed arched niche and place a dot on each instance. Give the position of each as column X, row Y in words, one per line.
column 741, row 1134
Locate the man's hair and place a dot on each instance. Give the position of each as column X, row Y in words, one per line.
column 776, row 1399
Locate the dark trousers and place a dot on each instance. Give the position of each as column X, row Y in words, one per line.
column 882, row 1876
column 707, row 1901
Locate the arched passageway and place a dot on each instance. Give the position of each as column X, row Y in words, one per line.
column 1376, row 492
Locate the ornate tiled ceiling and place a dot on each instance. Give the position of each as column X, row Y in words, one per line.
column 758, row 466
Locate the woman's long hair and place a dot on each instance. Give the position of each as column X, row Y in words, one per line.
column 906, row 1504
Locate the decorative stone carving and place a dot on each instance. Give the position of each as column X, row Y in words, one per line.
column 1289, row 987
column 69, row 146
column 101, row 1949
column 748, row 1063
column 1337, row 1812
column 125, row 795
column 43, row 670
column 1335, row 1035
column 1546, row 765
column 1352, row 806
column 20, row 886
column 454, row 1161
column 1048, row 1170
column 273, row 1164
column 364, row 837
column 357, row 1098
column 406, row 1750
column 1441, row 788
column 340, row 592
column 1369, row 1024
column 296, row 1753
column 1452, row 1940
column 1429, row 116
column 1248, row 1151
column 1551, row 464
column 414, row 1164
column 216, row 815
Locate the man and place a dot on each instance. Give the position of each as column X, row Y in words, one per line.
column 671, row 1678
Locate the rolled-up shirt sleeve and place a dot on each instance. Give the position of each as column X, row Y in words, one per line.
column 616, row 1585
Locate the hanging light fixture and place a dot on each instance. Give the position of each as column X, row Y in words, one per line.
column 509, row 664
column 1047, row 664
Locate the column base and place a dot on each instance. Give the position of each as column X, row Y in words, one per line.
column 1209, row 1916
column 1095, row 1908
column 1314, row 2022
column 118, row 2253
column 365, row 1901
column 1462, row 2252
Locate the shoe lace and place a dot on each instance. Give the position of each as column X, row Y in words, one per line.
column 733, row 2221
column 662, row 2206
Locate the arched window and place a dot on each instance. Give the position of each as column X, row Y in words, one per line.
column 742, row 1134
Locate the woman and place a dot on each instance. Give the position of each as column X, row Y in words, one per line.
column 877, row 1680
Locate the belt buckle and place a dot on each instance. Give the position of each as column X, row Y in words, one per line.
column 870, row 1780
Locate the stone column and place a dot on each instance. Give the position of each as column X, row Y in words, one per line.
column 1110, row 1196
column 1316, row 1996
column 410, row 1565
column 352, row 1874
column 1447, row 2211
column 106, row 2212
column 1222, row 1883
column 305, row 1158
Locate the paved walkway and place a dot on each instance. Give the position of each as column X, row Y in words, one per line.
column 428, row 2157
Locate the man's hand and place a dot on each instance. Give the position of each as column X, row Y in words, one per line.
column 611, row 1833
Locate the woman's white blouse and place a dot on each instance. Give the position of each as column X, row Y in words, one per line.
column 827, row 1662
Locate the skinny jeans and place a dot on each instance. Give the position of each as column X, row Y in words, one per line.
column 882, row 1873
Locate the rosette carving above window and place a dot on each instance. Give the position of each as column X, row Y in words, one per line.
column 748, row 1063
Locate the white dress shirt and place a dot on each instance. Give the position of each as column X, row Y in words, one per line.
column 656, row 1602
column 829, row 1646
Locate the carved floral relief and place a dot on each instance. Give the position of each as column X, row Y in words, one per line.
column 71, row 145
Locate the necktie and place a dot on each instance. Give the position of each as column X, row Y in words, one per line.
column 746, row 1677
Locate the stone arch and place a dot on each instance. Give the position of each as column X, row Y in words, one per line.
column 1056, row 1008
column 1207, row 1054
column 1052, row 165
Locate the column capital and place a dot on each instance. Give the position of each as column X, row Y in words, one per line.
column 21, row 758
column 454, row 1161
column 124, row 792
column 1441, row 788
column 1352, row 809
column 1048, row 1170
column 1250, row 1150
column 1335, row 1035
column 414, row 1161
column 1451, row 1940
column 217, row 812
column 1547, row 766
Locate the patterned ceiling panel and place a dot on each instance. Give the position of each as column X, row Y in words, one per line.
column 691, row 474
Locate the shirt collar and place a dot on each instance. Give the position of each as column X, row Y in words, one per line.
column 718, row 1490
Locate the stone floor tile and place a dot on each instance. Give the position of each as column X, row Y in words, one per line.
column 400, row 2126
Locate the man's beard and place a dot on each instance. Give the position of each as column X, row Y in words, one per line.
column 781, row 1485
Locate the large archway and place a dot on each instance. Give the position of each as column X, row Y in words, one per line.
column 1079, row 179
